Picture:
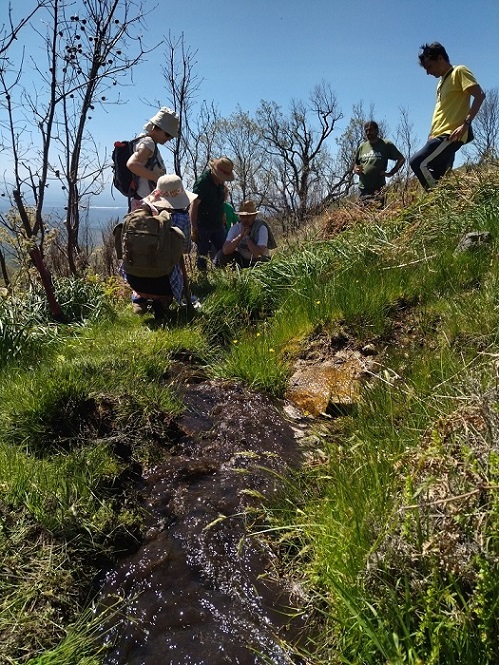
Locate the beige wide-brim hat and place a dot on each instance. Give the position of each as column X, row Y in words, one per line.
column 170, row 193
column 247, row 208
column 166, row 119
column 223, row 168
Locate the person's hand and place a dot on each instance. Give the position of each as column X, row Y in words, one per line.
column 244, row 237
column 157, row 172
column 458, row 133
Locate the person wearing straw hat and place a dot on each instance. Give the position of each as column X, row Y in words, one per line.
column 248, row 241
column 158, row 292
column 146, row 161
column 207, row 211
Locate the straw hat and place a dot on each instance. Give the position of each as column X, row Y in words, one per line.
column 170, row 193
column 247, row 208
column 223, row 168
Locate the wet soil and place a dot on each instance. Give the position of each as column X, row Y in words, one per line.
column 201, row 589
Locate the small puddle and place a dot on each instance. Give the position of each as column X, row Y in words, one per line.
column 201, row 590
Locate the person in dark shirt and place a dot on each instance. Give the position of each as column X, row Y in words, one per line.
column 207, row 211
column 371, row 164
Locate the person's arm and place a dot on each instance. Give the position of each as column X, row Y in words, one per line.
column 478, row 96
column 399, row 164
column 234, row 238
column 357, row 167
column 136, row 164
column 193, row 214
column 258, row 250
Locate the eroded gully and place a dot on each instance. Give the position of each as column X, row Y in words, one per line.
column 201, row 590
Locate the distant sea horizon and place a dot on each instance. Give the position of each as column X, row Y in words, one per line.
column 94, row 217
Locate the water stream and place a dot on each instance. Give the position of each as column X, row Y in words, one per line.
column 201, row 590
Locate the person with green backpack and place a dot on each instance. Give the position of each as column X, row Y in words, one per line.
column 151, row 242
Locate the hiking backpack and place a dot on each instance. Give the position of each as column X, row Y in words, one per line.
column 148, row 244
column 124, row 180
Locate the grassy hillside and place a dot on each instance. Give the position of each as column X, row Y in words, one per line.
column 389, row 531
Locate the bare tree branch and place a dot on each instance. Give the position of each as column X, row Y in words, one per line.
column 9, row 34
column 48, row 127
column 485, row 146
column 182, row 86
column 296, row 145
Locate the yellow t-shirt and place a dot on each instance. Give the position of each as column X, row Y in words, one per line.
column 453, row 102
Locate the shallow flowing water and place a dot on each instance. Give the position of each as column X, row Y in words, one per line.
column 200, row 590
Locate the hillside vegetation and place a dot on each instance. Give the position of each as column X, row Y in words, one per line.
column 389, row 531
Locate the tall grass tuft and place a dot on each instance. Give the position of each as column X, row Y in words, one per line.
column 393, row 525
column 24, row 336
column 82, row 299
column 27, row 332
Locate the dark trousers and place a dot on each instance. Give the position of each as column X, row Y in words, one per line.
column 209, row 239
column 222, row 260
column 434, row 160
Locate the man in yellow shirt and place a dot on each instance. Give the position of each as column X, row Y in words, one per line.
column 459, row 98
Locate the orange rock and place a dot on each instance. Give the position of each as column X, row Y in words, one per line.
column 313, row 387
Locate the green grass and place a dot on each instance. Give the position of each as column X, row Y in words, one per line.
column 390, row 528
column 76, row 415
column 390, row 596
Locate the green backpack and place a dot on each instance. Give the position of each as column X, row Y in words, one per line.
column 148, row 244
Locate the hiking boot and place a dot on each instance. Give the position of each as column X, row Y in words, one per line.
column 139, row 308
column 160, row 309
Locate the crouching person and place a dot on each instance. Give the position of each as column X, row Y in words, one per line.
column 152, row 242
column 248, row 241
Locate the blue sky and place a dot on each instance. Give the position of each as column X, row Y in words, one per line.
column 277, row 50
